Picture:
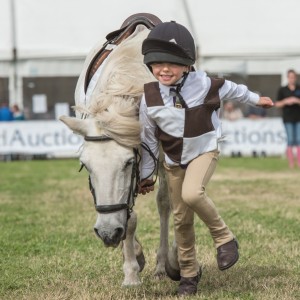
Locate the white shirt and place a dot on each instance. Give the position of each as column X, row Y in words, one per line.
column 193, row 92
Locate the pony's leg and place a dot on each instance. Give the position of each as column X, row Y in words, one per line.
column 138, row 250
column 172, row 264
column 163, row 205
column 173, row 256
column 131, row 266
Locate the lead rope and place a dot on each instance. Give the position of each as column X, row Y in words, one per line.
column 135, row 175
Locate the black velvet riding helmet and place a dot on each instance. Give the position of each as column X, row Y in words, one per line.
column 169, row 42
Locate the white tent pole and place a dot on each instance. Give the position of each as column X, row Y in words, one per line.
column 14, row 51
column 191, row 25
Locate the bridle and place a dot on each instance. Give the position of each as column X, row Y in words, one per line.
column 133, row 189
column 134, row 181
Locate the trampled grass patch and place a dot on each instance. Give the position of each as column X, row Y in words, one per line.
column 48, row 249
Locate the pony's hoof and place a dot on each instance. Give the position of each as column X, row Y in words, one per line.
column 171, row 272
column 159, row 274
column 131, row 283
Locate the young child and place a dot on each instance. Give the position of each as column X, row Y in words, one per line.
column 180, row 111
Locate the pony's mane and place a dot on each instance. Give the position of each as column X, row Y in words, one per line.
column 115, row 101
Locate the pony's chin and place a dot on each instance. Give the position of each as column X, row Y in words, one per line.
column 115, row 245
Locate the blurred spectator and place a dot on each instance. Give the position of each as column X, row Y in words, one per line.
column 5, row 113
column 289, row 100
column 231, row 112
column 256, row 112
column 17, row 113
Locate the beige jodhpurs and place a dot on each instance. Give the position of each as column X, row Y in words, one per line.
column 187, row 194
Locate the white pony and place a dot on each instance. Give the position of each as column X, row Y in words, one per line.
column 110, row 154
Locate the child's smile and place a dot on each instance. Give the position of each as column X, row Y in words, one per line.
column 168, row 73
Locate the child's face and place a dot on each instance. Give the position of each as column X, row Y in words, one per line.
column 168, row 73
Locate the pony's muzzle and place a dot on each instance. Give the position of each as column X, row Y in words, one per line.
column 111, row 239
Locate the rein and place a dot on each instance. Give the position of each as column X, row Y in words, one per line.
column 155, row 160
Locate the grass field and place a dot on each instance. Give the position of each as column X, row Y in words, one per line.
column 48, row 249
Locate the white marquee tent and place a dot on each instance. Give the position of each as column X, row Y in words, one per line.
column 52, row 37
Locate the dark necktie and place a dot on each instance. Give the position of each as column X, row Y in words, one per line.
column 177, row 98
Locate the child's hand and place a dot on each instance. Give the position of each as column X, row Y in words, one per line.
column 146, row 186
column 265, row 102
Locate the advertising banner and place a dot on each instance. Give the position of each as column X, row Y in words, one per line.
column 247, row 137
column 243, row 137
column 38, row 137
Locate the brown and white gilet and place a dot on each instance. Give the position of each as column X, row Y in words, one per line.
column 184, row 133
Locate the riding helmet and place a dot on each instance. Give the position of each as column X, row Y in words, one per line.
column 169, row 42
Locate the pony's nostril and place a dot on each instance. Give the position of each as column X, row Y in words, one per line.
column 118, row 233
column 97, row 233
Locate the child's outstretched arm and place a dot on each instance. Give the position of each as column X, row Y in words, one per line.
column 265, row 102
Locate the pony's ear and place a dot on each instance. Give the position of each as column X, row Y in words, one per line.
column 79, row 126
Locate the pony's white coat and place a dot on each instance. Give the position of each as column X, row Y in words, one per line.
column 112, row 109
